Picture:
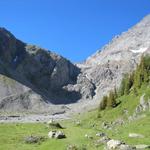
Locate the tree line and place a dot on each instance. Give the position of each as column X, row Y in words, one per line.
column 130, row 82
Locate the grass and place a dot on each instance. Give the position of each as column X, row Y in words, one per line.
column 12, row 135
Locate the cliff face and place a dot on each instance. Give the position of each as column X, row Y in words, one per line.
column 32, row 78
column 26, row 69
column 106, row 67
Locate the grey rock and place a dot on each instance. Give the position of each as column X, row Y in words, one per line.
column 142, row 147
column 117, row 122
column 72, row 147
column 107, row 66
column 34, row 139
column 32, row 77
column 106, row 125
column 100, row 134
column 53, row 124
column 126, row 147
column 113, row 144
column 56, row 134
column 88, row 136
column 103, row 140
column 60, row 135
column 78, row 123
column 143, row 103
column 118, row 145
column 135, row 135
column 52, row 134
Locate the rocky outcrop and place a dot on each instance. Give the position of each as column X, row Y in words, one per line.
column 107, row 66
column 32, row 76
column 143, row 106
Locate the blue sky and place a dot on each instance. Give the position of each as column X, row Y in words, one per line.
column 74, row 29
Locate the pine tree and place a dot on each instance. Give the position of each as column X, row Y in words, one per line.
column 128, row 84
column 111, row 101
column 115, row 93
column 122, row 87
column 103, row 103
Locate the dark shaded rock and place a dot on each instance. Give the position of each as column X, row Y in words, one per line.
column 34, row 139
column 56, row 135
column 101, row 134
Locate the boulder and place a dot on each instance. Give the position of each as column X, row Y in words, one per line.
column 51, row 134
column 113, row 144
column 118, row 145
column 56, row 135
column 60, row 135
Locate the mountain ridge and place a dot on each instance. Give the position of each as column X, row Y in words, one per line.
column 43, row 78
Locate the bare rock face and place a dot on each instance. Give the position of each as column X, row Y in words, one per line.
column 31, row 77
column 107, row 66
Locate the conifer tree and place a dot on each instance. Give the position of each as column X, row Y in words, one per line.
column 111, row 101
column 122, row 87
column 115, row 93
column 103, row 103
column 128, row 84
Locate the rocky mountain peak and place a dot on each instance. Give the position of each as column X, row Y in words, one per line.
column 133, row 42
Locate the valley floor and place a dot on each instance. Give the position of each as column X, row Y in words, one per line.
column 80, row 130
column 12, row 135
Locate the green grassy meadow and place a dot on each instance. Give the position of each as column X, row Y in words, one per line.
column 12, row 134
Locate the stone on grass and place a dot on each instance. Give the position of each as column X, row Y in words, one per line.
column 100, row 134
column 34, row 139
column 113, row 144
column 135, row 135
column 103, row 140
column 118, row 145
column 142, row 146
column 51, row 134
column 56, row 135
column 72, row 147
column 78, row 123
column 60, row 135
column 52, row 124
column 126, row 147
column 88, row 136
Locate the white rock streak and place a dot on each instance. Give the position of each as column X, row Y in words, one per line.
column 141, row 50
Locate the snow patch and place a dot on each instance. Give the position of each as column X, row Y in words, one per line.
column 141, row 50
